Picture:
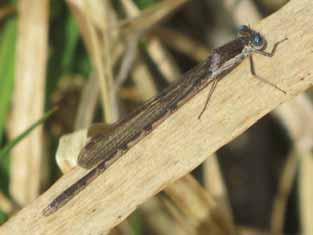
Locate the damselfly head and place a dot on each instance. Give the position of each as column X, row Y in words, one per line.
column 244, row 30
column 256, row 40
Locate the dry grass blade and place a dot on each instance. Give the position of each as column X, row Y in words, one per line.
column 156, row 51
column 163, row 59
column 108, row 65
column 182, row 142
column 203, row 213
column 243, row 12
column 306, row 192
column 99, row 48
column 149, row 17
column 281, row 199
column 182, row 43
column 177, row 218
column 127, row 62
column 87, row 105
column 215, row 186
column 28, row 101
column 159, row 220
column 88, row 14
column 295, row 116
column 143, row 80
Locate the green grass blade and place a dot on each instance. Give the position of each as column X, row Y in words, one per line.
column 7, row 69
column 142, row 4
column 10, row 145
column 71, row 40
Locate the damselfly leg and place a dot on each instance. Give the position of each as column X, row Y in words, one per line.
column 213, row 86
column 267, row 54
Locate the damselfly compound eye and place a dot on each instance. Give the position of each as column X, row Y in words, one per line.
column 257, row 41
column 243, row 30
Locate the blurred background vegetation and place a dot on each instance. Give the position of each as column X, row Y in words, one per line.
column 98, row 60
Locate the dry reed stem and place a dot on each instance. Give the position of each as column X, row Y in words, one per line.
column 158, row 218
column 182, row 142
column 87, row 104
column 177, row 217
column 143, row 80
column 92, row 17
column 182, row 43
column 295, row 116
column 201, row 211
column 143, row 20
column 243, row 12
column 127, row 62
column 155, row 49
column 89, row 34
column 28, row 100
column 107, row 37
column 215, row 186
column 148, row 17
column 281, row 199
column 306, row 192
column 89, row 22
